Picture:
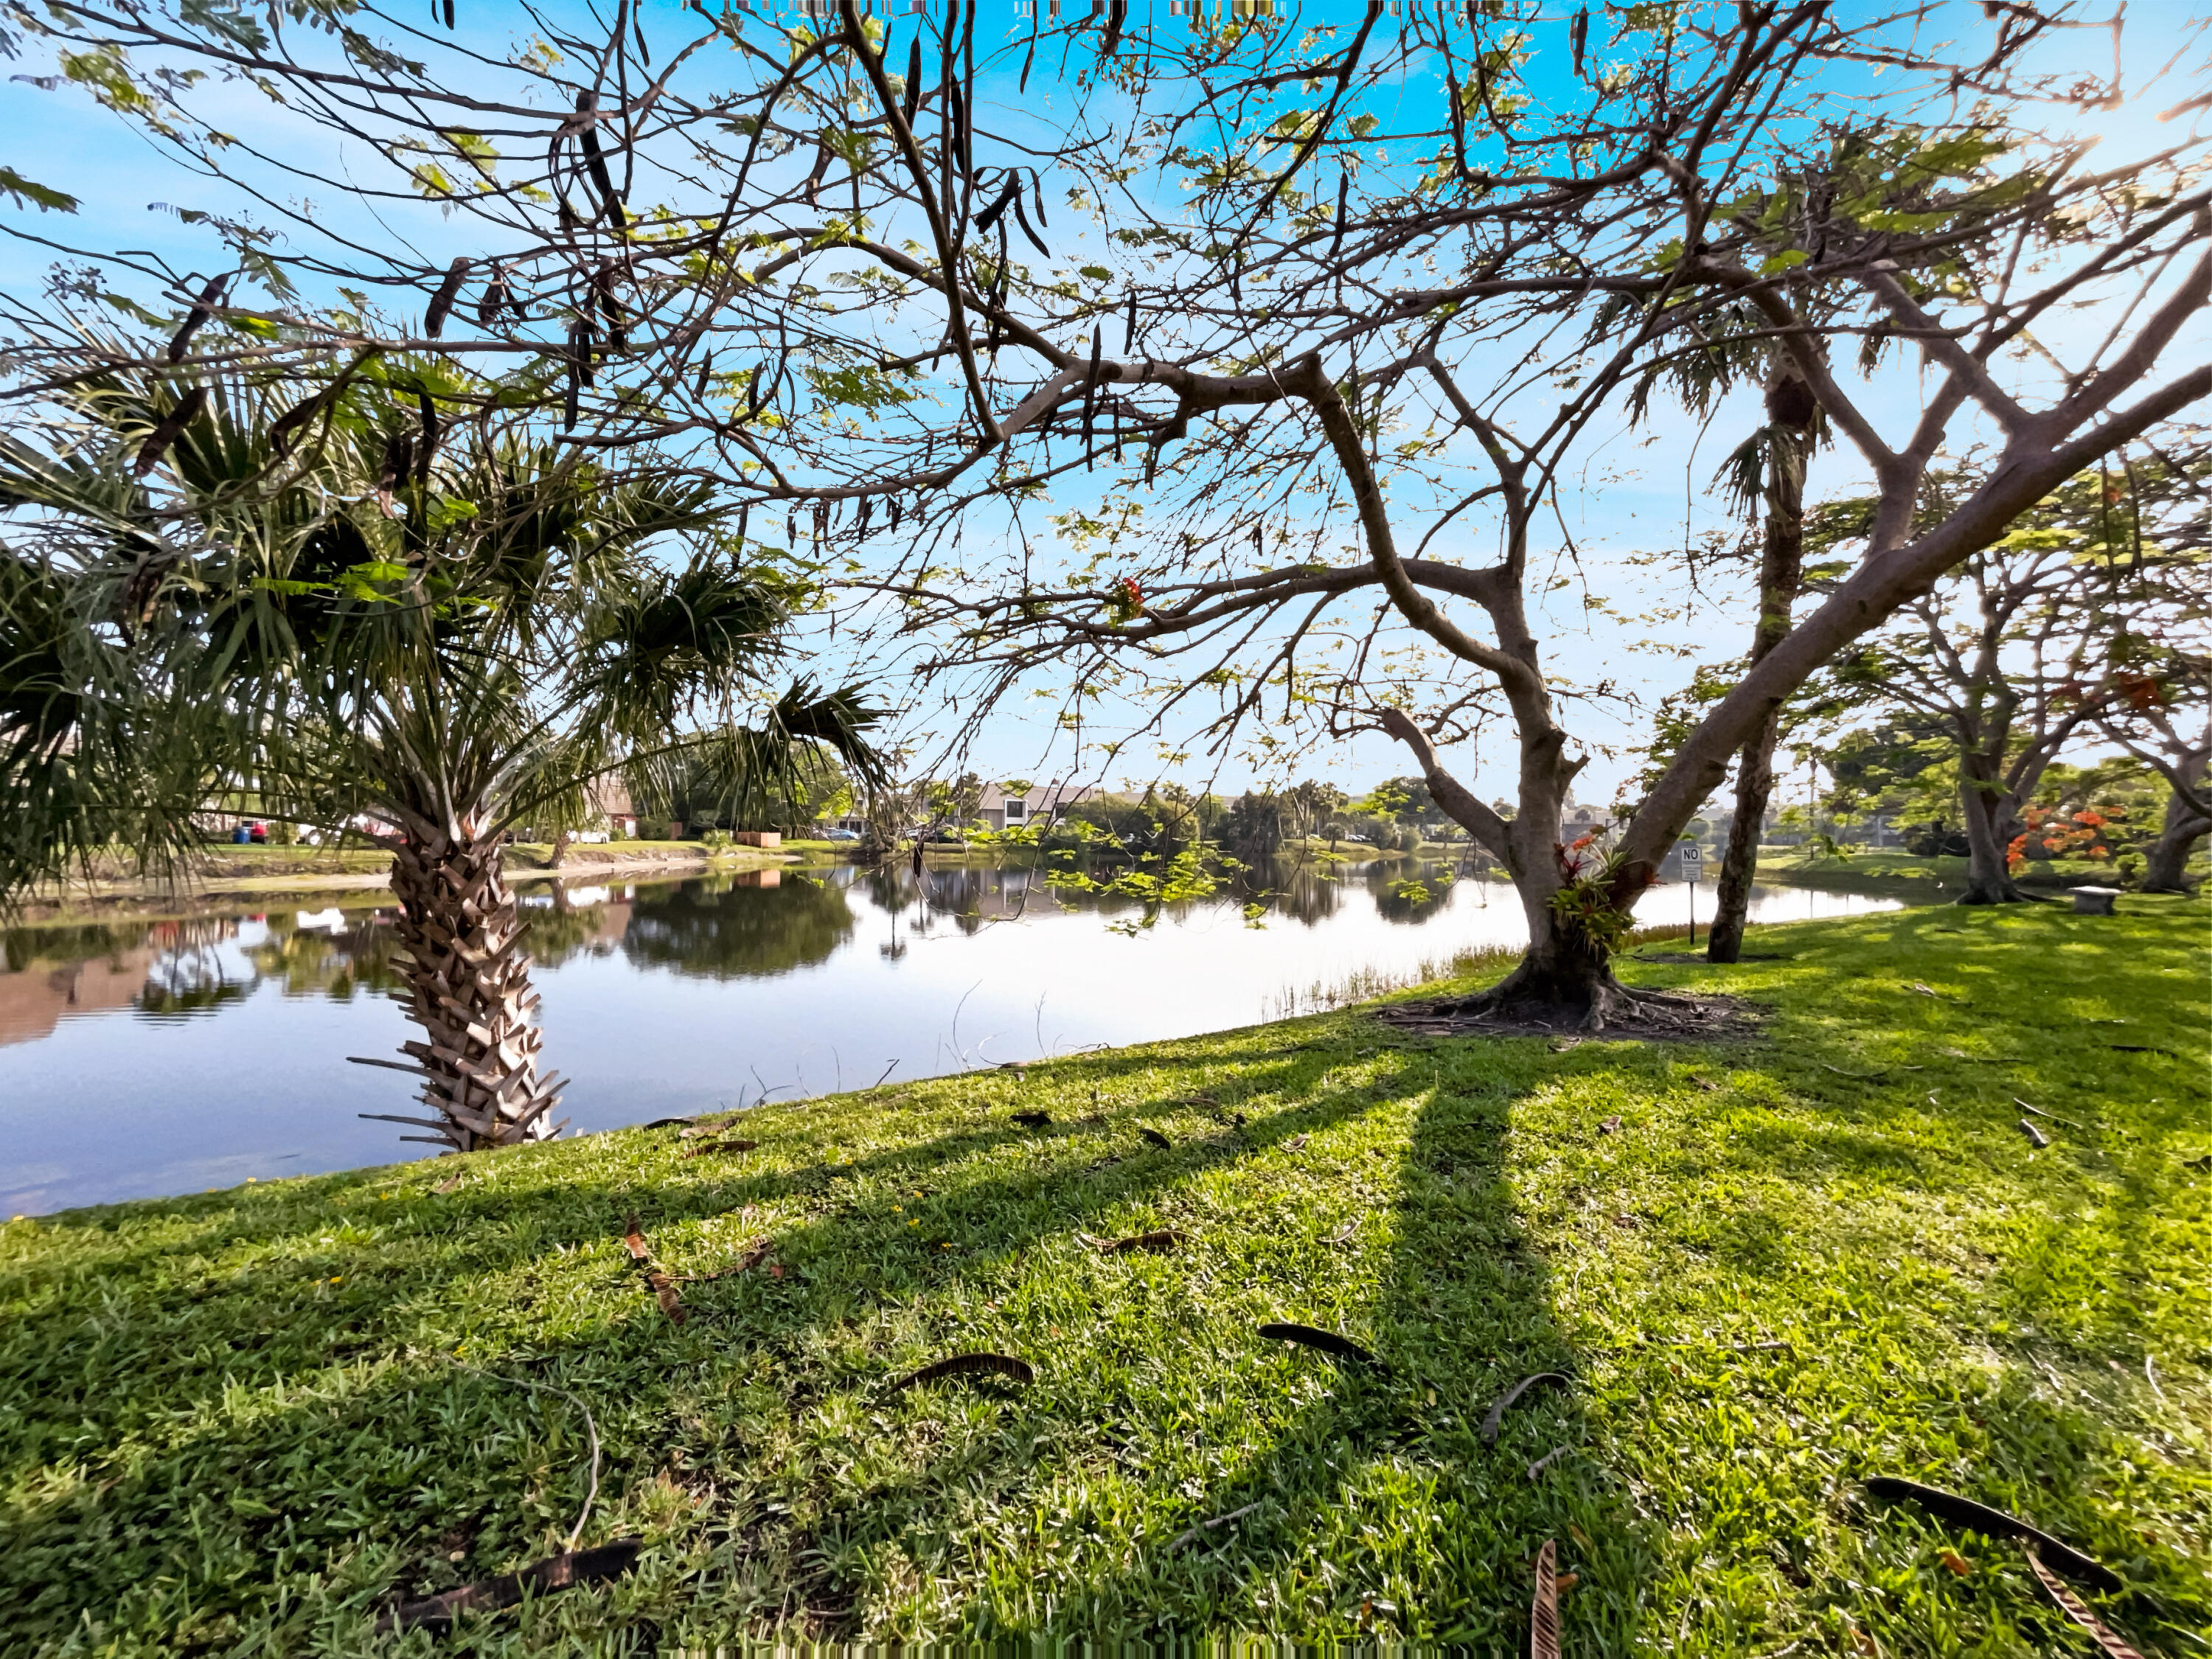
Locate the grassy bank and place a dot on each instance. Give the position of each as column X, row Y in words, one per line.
column 243, row 1422
column 1936, row 875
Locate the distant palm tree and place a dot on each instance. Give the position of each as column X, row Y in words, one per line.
column 378, row 622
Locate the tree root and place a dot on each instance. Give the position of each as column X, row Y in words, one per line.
column 1508, row 1010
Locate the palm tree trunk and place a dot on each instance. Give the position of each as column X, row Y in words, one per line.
column 469, row 980
column 1781, row 569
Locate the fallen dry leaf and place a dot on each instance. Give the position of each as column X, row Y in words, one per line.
column 1957, row 1563
column 1155, row 1137
column 1566, row 1581
column 448, row 1185
column 1865, row 1643
column 635, row 1241
column 1295, row 1142
column 1611, row 1126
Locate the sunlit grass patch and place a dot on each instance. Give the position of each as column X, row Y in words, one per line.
column 247, row 1421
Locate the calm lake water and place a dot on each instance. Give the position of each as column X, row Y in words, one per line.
column 143, row 1059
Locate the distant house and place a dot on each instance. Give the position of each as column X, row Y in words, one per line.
column 1042, row 802
column 1577, row 821
column 607, row 799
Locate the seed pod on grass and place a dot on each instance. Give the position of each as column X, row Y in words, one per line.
column 966, row 1364
column 1995, row 1523
column 1162, row 1238
column 1329, row 1342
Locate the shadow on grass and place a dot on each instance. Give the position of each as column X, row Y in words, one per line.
column 327, row 1438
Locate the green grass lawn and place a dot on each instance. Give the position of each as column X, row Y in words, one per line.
column 244, row 1422
column 1883, row 869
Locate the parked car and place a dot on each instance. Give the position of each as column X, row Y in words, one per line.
column 840, row 834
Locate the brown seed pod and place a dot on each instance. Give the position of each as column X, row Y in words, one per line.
column 1995, row 1523
column 966, row 1364
column 211, row 296
column 1162, row 1238
column 171, row 428
column 442, row 302
column 990, row 214
column 438, row 1613
column 1309, row 1336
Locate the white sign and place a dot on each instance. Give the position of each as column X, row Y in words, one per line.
column 1694, row 859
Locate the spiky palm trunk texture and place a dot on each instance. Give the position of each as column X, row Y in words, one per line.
column 469, row 980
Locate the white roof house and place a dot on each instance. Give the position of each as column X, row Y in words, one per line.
column 1040, row 803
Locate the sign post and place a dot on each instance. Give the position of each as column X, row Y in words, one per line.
column 1693, row 860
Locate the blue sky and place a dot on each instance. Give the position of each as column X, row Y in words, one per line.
column 1643, row 490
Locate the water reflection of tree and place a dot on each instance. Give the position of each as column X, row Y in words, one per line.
column 1291, row 889
column 710, row 930
column 333, row 962
column 189, row 975
column 1406, row 892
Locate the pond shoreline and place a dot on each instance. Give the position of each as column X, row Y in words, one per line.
column 133, row 900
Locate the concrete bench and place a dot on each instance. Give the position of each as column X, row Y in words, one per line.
column 2093, row 901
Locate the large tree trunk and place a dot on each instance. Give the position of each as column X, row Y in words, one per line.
column 1991, row 814
column 2166, row 866
column 464, row 963
column 1561, row 980
column 1781, row 567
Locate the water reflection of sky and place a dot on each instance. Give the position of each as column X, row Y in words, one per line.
column 140, row 1059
